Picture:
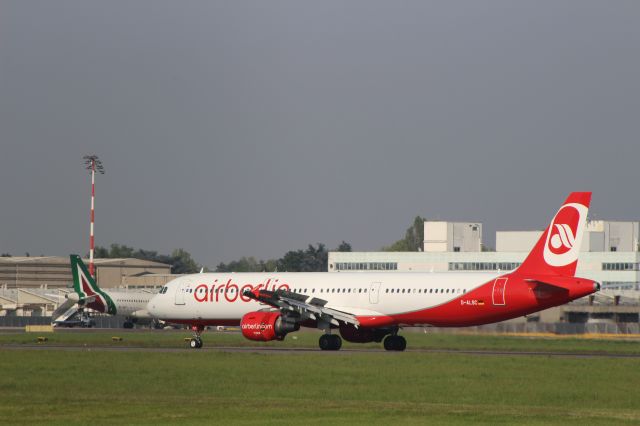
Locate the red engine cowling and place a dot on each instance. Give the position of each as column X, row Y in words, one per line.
column 265, row 326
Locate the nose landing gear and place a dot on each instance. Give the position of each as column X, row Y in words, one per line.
column 196, row 341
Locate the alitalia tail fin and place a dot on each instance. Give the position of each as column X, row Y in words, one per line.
column 87, row 288
column 557, row 250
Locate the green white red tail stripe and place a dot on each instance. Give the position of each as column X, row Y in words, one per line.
column 87, row 288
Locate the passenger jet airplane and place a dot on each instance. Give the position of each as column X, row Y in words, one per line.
column 372, row 306
column 131, row 304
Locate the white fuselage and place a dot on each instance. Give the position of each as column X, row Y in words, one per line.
column 131, row 303
column 217, row 297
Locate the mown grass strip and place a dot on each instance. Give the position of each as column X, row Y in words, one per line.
column 364, row 388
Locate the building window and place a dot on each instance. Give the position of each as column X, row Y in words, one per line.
column 483, row 266
column 620, row 266
column 366, row 266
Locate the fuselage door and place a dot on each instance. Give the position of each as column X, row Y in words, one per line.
column 499, row 287
column 180, row 290
column 374, row 292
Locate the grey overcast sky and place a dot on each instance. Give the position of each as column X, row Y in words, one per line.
column 250, row 128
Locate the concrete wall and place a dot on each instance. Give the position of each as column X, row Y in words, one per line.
column 516, row 241
column 452, row 236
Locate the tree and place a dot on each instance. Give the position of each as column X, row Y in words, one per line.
column 120, row 251
column 344, row 246
column 101, row 252
column 313, row 259
column 180, row 260
column 413, row 238
column 182, row 263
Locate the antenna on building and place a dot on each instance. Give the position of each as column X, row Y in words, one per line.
column 93, row 164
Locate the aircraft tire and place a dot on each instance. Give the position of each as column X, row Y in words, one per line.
column 195, row 343
column 401, row 344
column 325, row 342
column 330, row 342
column 336, row 342
column 395, row 343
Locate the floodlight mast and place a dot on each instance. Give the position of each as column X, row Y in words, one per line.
column 92, row 164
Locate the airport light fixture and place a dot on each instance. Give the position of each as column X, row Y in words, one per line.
column 93, row 164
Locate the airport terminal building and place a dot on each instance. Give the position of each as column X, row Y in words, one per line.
column 609, row 253
column 49, row 272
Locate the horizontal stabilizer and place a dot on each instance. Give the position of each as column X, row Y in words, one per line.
column 556, row 285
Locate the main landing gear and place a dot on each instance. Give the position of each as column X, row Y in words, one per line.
column 196, row 341
column 330, row 342
column 393, row 342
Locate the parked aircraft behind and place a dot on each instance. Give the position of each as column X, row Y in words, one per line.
column 372, row 306
column 87, row 294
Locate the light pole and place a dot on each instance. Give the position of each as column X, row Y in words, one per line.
column 92, row 164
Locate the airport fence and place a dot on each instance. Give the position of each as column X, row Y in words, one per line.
column 19, row 321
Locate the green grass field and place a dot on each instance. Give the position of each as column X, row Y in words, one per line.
column 212, row 387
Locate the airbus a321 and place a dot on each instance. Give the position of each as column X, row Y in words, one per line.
column 374, row 306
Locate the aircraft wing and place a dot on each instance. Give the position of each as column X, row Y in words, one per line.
column 306, row 306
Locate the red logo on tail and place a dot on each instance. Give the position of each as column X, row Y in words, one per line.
column 563, row 230
column 564, row 234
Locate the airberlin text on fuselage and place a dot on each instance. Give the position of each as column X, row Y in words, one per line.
column 218, row 292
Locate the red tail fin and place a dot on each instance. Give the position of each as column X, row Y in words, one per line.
column 557, row 250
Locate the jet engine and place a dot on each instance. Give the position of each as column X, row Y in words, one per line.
column 265, row 326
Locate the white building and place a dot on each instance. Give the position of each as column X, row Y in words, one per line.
column 610, row 253
column 452, row 236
